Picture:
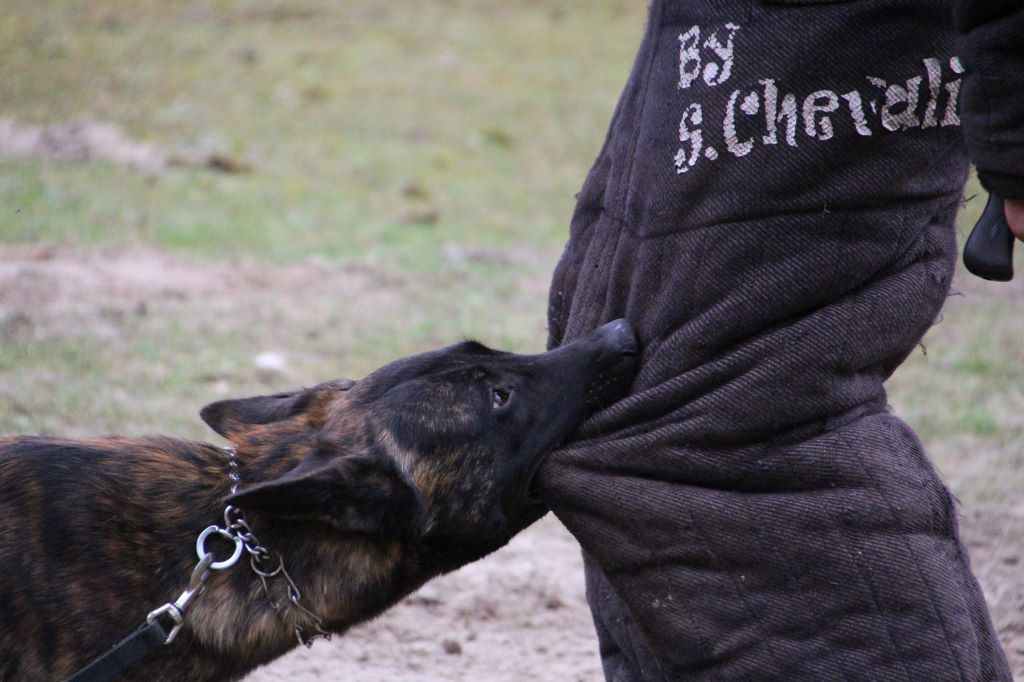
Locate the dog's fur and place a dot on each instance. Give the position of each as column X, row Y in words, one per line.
column 366, row 490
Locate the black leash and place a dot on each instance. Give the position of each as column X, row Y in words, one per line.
column 130, row 649
column 153, row 633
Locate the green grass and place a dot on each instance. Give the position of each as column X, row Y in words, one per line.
column 964, row 394
column 355, row 118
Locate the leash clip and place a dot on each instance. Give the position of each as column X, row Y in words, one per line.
column 176, row 610
column 197, row 582
column 176, row 616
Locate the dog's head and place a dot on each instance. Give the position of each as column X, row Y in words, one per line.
column 437, row 448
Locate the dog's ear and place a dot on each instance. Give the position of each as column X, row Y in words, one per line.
column 360, row 493
column 232, row 416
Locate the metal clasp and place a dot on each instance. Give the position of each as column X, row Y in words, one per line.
column 176, row 616
column 202, row 553
column 197, row 582
column 176, row 610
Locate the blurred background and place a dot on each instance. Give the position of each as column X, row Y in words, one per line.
column 210, row 199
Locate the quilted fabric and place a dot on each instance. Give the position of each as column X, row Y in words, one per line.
column 773, row 210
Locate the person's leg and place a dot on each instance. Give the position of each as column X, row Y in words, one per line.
column 773, row 211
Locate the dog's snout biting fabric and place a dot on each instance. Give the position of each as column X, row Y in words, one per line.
column 773, row 211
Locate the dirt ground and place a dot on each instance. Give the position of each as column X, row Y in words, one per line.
column 516, row 615
column 84, row 140
column 519, row 614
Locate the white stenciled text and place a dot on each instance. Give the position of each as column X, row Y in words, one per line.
column 765, row 113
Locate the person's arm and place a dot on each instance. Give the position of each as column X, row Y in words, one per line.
column 992, row 97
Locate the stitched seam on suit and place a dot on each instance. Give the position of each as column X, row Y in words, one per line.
column 865, row 576
column 625, row 224
column 654, row 28
column 958, row 664
column 752, row 612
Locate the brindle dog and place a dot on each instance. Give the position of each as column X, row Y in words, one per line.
column 365, row 489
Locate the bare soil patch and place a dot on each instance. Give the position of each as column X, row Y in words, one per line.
column 519, row 614
column 86, row 140
column 995, row 540
column 57, row 291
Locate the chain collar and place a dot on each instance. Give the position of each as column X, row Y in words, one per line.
column 263, row 565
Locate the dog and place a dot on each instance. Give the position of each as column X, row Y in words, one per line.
column 361, row 491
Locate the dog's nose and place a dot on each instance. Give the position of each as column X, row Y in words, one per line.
column 618, row 336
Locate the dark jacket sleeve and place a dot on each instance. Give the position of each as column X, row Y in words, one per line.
column 992, row 95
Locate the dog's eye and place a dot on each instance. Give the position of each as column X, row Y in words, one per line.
column 500, row 397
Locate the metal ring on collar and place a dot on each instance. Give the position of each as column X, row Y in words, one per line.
column 202, row 553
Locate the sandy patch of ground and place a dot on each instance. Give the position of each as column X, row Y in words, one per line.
column 519, row 614
column 995, row 539
column 56, row 287
column 54, row 291
column 86, row 140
